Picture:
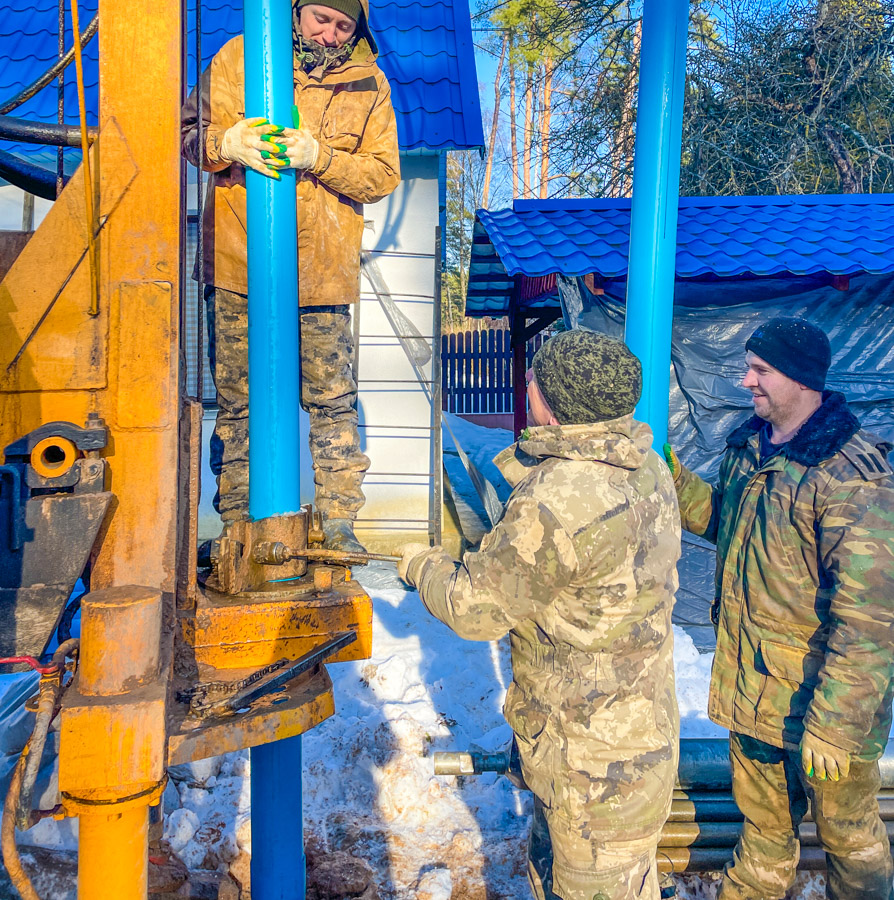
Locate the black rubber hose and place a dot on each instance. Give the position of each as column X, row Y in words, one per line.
column 28, row 132
column 11, row 859
column 47, row 707
column 30, row 178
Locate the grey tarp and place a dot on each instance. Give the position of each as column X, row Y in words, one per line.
column 712, row 321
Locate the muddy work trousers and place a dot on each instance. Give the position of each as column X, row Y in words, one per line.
column 564, row 865
column 328, row 393
column 772, row 793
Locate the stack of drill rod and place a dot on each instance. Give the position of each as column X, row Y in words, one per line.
column 704, row 822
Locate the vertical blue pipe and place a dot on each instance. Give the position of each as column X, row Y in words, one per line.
column 656, row 188
column 277, row 861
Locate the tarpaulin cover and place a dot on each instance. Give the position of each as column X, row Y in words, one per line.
column 712, row 321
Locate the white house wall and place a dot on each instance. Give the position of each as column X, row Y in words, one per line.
column 395, row 408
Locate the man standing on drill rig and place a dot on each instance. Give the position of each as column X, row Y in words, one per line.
column 344, row 146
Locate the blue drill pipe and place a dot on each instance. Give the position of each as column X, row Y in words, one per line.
column 656, row 188
column 278, row 868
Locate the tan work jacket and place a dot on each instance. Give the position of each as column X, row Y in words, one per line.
column 348, row 110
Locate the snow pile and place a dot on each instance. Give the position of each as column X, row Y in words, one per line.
column 368, row 774
column 369, row 787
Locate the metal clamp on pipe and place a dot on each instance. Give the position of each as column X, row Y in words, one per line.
column 276, row 553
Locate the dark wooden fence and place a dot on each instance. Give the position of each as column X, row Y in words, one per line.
column 476, row 370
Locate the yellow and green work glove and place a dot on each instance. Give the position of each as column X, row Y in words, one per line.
column 254, row 144
column 820, row 759
column 301, row 148
column 673, row 463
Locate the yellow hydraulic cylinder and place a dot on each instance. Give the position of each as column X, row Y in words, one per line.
column 112, row 757
column 113, row 853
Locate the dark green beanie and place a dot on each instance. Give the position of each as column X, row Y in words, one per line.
column 587, row 377
column 350, row 8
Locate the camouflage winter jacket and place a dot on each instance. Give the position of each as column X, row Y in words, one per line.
column 804, row 589
column 581, row 573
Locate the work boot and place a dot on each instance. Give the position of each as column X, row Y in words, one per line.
column 340, row 536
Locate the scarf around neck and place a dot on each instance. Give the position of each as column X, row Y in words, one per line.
column 312, row 56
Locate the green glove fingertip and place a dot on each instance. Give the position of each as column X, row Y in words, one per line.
column 673, row 463
column 296, row 117
column 271, row 139
column 266, row 154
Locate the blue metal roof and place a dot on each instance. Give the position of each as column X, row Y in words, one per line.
column 719, row 237
column 425, row 48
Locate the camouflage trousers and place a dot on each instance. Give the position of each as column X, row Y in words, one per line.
column 328, row 393
column 772, row 793
column 564, row 865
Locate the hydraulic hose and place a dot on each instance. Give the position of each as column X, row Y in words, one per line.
column 17, row 807
column 11, row 859
column 47, row 704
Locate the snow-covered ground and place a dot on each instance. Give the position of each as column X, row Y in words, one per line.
column 368, row 778
column 369, row 786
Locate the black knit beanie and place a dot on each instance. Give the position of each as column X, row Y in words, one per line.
column 795, row 347
column 587, row 377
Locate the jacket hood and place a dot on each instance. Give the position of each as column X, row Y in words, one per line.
column 621, row 442
column 820, row 437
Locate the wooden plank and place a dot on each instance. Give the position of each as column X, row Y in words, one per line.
column 476, row 372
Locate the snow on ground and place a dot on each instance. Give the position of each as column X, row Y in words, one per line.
column 368, row 777
column 368, row 773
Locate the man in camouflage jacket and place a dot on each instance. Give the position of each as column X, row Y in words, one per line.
column 803, row 519
column 580, row 572
column 346, row 154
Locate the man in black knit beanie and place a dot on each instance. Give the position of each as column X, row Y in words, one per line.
column 802, row 516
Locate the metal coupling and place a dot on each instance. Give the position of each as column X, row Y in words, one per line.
column 470, row 763
column 272, row 553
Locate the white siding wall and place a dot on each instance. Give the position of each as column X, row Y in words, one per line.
column 395, row 409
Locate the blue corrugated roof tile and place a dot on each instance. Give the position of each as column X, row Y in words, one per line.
column 426, row 52
column 719, row 237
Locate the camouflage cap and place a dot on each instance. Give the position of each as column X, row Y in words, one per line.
column 587, row 377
